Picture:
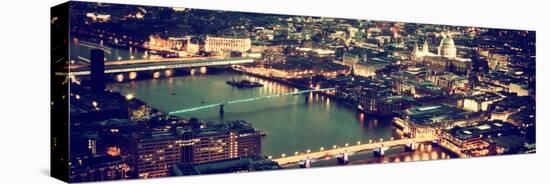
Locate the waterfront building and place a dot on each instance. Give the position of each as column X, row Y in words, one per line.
column 181, row 45
column 385, row 105
column 212, row 144
column 224, row 141
column 221, row 45
column 475, row 140
column 430, row 120
column 158, row 152
column 240, row 164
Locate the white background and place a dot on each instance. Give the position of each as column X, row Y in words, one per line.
column 24, row 91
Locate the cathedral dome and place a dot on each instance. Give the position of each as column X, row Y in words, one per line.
column 447, row 47
column 448, row 42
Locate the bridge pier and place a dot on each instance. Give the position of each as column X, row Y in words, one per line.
column 305, row 163
column 379, row 152
column 221, row 109
column 410, row 147
column 342, row 158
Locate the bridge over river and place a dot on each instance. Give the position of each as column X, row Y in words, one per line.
column 158, row 64
column 222, row 104
column 342, row 152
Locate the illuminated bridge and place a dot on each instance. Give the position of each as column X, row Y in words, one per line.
column 158, row 64
column 222, row 104
column 342, row 152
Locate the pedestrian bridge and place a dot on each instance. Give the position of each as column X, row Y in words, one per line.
column 377, row 146
column 222, row 104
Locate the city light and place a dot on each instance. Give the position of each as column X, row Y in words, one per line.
column 132, row 75
column 196, row 100
column 203, row 70
column 156, row 75
column 120, row 77
column 129, row 96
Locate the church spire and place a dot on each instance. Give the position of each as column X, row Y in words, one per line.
column 352, row 69
column 425, row 47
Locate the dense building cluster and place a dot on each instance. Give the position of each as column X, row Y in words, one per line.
column 113, row 137
column 471, row 89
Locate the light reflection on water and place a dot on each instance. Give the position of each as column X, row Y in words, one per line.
column 293, row 124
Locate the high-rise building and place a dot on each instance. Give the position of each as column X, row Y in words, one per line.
column 97, row 68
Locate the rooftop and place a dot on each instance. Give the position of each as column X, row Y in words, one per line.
column 249, row 163
column 430, row 115
column 495, row 128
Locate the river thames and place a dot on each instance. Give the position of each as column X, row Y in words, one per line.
column 292, row 123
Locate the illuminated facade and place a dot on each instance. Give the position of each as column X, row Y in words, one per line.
column 221, row 45
column 472, row 140
column 447, row 47
column 181, row 45
column 480, row 102
column 446, row 58
column 157, row 153
column 430, row 120
column 214, row 146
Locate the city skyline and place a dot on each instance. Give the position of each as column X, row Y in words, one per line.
column 160, row 91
